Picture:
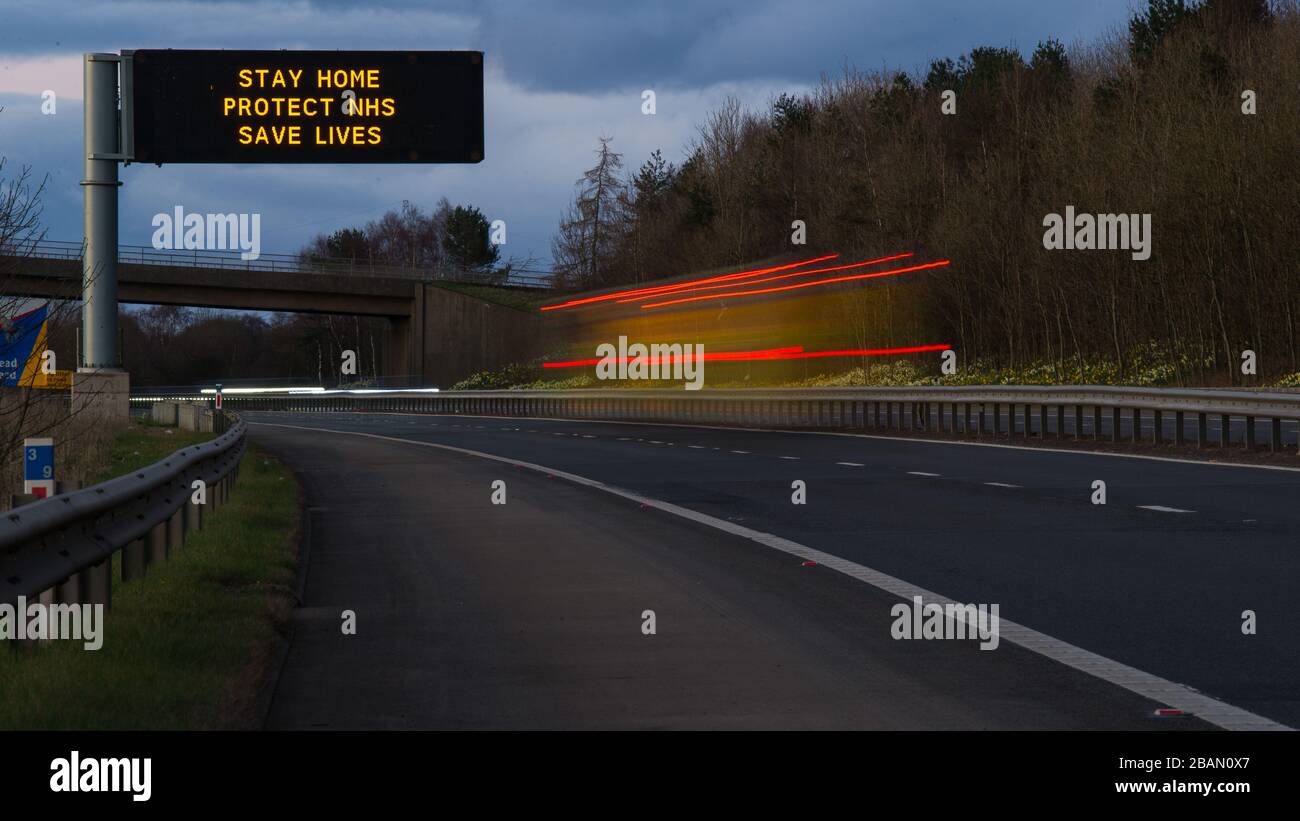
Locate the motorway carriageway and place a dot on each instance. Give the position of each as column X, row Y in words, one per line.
column 528, row 614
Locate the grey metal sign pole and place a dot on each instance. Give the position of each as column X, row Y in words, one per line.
column 99, row 262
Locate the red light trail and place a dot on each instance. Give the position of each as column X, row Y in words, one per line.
column 782, row 276
column 829, row 281
column 663, row 289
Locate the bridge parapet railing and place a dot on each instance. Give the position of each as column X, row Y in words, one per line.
column 283, row 263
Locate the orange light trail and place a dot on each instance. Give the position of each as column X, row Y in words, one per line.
column 894, row 272
column 795, row 352
column 867, row 352
column 658, row 289
column 782, row 276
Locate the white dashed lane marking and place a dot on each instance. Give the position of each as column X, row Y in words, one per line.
column 921, row 473
column 1163, row 509
column 1001, row 484
column 741, row 451
column 851, row 464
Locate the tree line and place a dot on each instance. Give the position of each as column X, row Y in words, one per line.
column 448, row 238
column 1190, row 116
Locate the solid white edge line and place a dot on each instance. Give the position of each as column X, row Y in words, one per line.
column 908, row 439
column 1159, row 690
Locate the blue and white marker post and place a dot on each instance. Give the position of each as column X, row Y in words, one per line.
column 38, row 467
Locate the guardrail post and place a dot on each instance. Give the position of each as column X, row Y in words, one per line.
column 1096, row 422
column 1250, row 433
column 68, row 590
column 1078, row 422
column 1202, row 430
column 997, row 418
column 1275, row 438
column 982, row 425
column 97, row 583
column 1180, row 434
column 175, row 531
column 1158, row 427
column 1224, row 421
column 1060, row 421
column 133, row 560
column 193, row 519
column 1116, row 423
column 1042, row 421
column 965, row 423
column 156, row 544
column 1137, row 425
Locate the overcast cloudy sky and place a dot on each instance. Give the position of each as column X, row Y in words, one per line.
column 559, row 74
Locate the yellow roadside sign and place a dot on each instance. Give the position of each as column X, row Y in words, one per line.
column 57, row 381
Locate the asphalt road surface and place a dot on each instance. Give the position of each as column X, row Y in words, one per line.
column 529, row 614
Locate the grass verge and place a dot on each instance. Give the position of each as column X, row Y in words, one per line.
column 190, row 645
column 142, row 443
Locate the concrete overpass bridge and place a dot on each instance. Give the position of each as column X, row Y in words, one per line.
column 439, row 334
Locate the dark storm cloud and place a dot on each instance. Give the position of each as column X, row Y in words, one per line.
column 579, row 45
column 560, row 74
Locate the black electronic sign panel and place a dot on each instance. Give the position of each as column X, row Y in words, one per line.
column 306, row 106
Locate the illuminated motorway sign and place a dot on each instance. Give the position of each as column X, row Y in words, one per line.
column 306, row 106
